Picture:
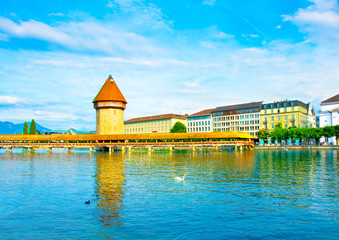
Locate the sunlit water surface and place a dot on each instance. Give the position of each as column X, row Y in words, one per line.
column 225, row 195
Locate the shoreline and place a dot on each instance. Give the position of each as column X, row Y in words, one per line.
column 310, row 147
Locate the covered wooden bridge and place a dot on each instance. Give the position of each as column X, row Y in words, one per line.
column 150, row 141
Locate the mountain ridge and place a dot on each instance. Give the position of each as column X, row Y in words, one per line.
column 9, row 128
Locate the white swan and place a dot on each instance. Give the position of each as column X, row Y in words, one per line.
column 179, row 178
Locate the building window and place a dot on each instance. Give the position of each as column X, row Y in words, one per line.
column 278, row 118
column 285, row 125
column 272, row 125
column 272, row 118
column 285, row 117
column 272, row 111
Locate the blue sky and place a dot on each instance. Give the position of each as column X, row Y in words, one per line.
column 166, row 56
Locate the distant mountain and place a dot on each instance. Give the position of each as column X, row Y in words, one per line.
column 7, row 128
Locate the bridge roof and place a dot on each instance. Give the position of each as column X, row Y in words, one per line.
column 109, row 92
column 122, row 137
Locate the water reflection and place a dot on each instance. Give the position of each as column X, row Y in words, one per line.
column 226, row 195
column 109, row 191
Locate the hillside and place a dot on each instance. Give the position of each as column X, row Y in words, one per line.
column 7, row 128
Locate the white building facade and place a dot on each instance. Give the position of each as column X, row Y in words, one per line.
column 200, row 121
column 237, row 118
column 329, row 114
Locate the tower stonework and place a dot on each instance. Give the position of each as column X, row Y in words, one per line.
column 109, row 105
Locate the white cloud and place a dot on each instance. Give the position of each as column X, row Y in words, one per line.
column 34, row 29
column 79, row 36
column 314, row 17
column 3, row 37
column 142, row 14
column 250, row 35
column 56, row 14
column 209, row 2
column 223, row 35
column 10, row 100
column 320, row 20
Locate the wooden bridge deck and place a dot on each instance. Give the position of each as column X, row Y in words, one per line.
column 129, row 141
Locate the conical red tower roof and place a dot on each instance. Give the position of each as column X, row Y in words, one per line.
column 109, row 92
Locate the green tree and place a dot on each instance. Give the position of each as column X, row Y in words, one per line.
column 315, row 133
column 263, row 134
column 277, row 133
column 32, row 128
column 329, row 131
column 293, row 133
column 302, row 134
column 178, row 127
column 25, row 129
column 336, row 133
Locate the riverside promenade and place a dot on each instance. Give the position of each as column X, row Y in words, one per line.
column 301, row 147
column 122, row 142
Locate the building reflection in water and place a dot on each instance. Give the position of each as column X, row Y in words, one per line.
column 109, row 190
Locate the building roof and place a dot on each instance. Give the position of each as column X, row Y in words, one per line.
column 288, row 103
column 238, row 106
column 202, row 113
column 331, row 99
column 109, row 92
column 156, row 117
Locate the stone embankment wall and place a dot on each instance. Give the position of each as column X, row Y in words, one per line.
column 306, row 147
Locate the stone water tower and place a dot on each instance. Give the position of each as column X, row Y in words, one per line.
column 109, row 105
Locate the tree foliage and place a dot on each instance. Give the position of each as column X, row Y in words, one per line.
column 263, row 134
column 279, row 133
column 178, row 127
column 336, row 131
column 25, row 129
column 329, row 131
column 32, row 128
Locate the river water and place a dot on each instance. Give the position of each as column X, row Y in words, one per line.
column 225, row 195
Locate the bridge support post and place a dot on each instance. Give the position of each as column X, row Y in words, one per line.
column 68, row 149
column 150, row 148
column 123, row 148
column 49, row 149
column 171, row 148
column 130, row 148
column 9, row 149
column 193, row 148
column 240, row 147
column 217, row 147
column 91, row 150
